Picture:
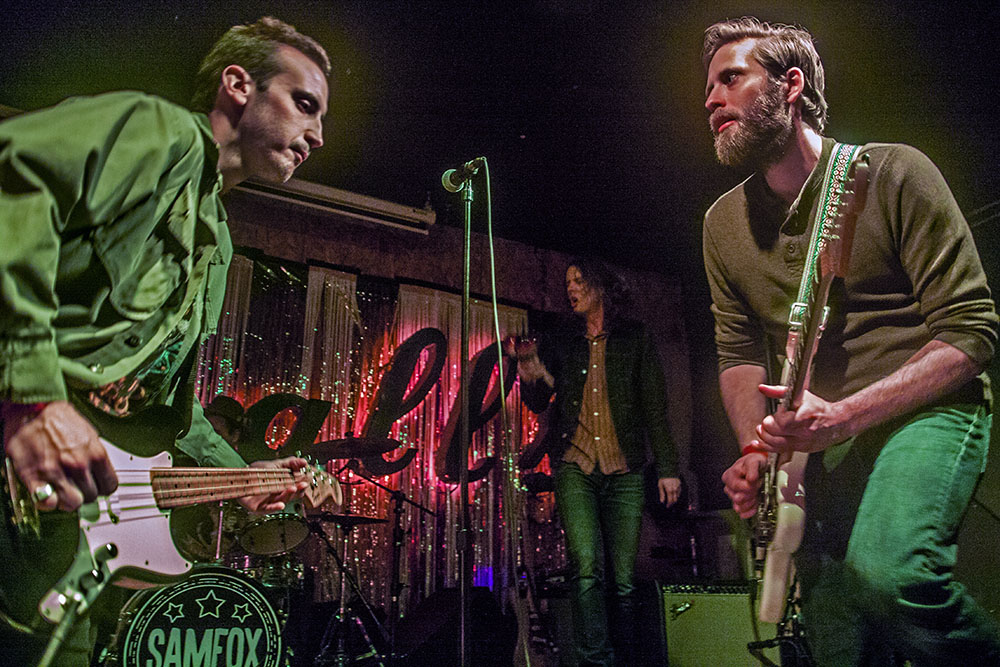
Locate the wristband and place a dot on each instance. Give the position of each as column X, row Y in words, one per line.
column 15, row 415
column 754, row 449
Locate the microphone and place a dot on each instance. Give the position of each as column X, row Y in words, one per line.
column 454, row 180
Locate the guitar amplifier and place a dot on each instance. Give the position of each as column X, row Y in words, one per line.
column 711, row 624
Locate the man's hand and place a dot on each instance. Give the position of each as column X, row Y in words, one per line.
column 815, row 426
column 275, row 502
column 60, row 448
column 670, row 490
column 529, row 367
column 742, row 483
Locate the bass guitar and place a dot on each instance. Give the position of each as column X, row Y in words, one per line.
column 781, row 513
column 125, row 538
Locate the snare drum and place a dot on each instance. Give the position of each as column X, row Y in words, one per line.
column 276, row 533
column 213, row 617
column 281, row 572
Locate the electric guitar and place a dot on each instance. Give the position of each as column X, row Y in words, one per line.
column 124, row 538
column 781, row 513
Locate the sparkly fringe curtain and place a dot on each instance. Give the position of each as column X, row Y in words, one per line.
column 324, row 334
column 219, row 355
column 332, row 326
column 431, row 550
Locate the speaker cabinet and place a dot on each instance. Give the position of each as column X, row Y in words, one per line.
column 709, row 625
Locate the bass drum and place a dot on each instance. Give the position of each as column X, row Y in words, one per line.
column 213, row 617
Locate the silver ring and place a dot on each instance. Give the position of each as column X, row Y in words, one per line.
column 42, row 493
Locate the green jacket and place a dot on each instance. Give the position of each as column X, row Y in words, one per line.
column 114, row 241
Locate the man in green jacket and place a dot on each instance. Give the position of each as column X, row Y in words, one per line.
column 113, row 269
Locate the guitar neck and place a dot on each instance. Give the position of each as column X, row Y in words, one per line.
column 180, row 487
column 802, row 343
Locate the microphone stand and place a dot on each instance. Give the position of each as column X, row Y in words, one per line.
column 395, row 588
column 464, row 537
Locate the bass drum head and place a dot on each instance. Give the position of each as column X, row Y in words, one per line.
column 213, row 617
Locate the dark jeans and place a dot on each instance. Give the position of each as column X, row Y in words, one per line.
column 601, row 516
column 881, row 585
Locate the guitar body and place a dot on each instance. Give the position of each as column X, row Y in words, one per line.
column 61, row 560
column 70, row 546
column 789, row 527
column 124, row 537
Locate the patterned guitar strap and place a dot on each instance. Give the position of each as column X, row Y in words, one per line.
column 837, row 169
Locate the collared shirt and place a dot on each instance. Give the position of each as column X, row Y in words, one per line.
column 595, row 443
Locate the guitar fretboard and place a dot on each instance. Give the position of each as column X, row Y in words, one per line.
column 180, row 487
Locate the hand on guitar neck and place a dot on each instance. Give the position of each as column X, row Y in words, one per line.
column 274, row 502
column 57, row 455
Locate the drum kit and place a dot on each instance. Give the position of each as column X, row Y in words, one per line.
column 235, row 606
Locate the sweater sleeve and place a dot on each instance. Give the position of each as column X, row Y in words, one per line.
column 938, row 253
column 738, row 334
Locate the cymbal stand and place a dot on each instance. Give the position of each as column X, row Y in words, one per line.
column 395, row 585
column 218, row 532
column 340, row 623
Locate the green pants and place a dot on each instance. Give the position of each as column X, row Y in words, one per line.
column 880, row 546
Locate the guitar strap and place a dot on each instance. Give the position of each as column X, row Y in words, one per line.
column 837, row 169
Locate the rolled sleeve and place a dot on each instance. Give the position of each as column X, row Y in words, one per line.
column 939, row 255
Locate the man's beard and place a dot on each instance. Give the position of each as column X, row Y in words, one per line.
column 761, row 134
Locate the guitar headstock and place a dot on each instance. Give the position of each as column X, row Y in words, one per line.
column 322, row 487
column 838, row 236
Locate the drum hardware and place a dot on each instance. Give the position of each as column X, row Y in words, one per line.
column 345, row 617
column 207, row 532
column 397, row 498
column 352, row 448
column 275, row 533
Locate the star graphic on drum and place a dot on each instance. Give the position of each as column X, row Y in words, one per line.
column 241, row 612
column 174, row 611
column 206, row 605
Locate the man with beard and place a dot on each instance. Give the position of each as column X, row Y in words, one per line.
column 112, row 271
column 897, row 415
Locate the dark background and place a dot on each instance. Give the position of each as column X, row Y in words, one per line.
column 590, row 113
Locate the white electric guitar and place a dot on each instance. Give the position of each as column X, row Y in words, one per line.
column 781, row 514
column 125, row 538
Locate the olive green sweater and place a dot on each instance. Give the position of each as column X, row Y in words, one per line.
column 914, row 273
